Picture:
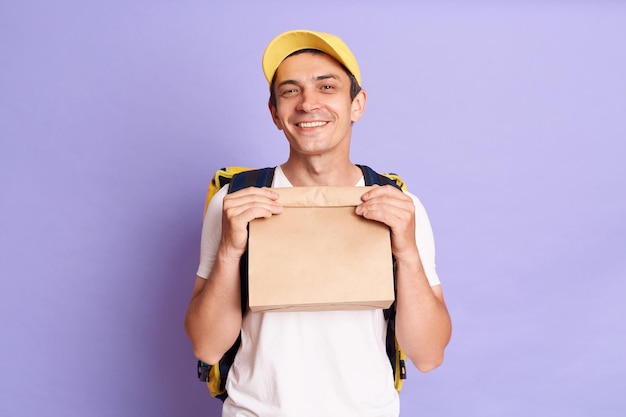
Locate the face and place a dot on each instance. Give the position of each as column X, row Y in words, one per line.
column 313, row 105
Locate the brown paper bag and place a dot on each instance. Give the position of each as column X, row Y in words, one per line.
column 319, row 255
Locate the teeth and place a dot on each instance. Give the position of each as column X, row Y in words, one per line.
column 311, row 124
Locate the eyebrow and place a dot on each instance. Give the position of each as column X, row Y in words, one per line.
column 326, row 77
column 318, row 78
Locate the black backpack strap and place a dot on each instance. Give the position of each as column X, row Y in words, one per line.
column 372, row 177
column 255, row 178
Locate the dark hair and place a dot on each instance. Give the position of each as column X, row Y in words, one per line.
column 354, row 84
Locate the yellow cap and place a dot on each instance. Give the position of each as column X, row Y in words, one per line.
column 289, row 42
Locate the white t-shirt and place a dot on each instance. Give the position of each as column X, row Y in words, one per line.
column 318, row 364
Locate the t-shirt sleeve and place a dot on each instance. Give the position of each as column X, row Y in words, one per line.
column 425, row 241
column 211, row 233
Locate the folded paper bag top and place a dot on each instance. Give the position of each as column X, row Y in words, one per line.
column 319, row 255
column 321, row 196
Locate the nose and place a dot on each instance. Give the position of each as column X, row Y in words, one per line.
column 308, row 101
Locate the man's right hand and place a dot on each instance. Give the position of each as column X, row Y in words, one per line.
column 239, row 209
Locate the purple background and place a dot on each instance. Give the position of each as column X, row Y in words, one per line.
column 508, row 121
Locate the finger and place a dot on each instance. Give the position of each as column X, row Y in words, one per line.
column 394, row 210
column 394, row 217
column 386, row 203
column 250, row 198
column 385, row 190
column 250, row 210
column 253, row 193
column 401, row 223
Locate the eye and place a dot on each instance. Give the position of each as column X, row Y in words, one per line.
column 288, row 92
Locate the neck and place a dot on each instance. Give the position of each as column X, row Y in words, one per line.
column 321, row 172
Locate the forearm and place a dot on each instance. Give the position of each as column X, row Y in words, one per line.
column 213, row 319
column 423, row 326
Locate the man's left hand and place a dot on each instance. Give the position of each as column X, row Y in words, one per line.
column 394, row 208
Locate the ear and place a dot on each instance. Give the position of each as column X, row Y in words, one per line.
column 275, row 118
column 358, row 105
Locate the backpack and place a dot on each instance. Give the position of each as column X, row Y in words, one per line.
column 239, row 177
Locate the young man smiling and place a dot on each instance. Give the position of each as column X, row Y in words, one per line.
column 326, row 363
column 315, row 112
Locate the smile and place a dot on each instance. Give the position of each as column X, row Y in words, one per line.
column 312, row 124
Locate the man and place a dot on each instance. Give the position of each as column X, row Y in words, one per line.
column 327, row 363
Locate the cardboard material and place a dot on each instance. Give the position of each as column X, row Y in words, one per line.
column 319, row 255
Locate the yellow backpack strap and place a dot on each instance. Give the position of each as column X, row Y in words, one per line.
column 214, row 382
column 221, row 178
column 400, row 365
column 400, row 373
column 397, row 179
